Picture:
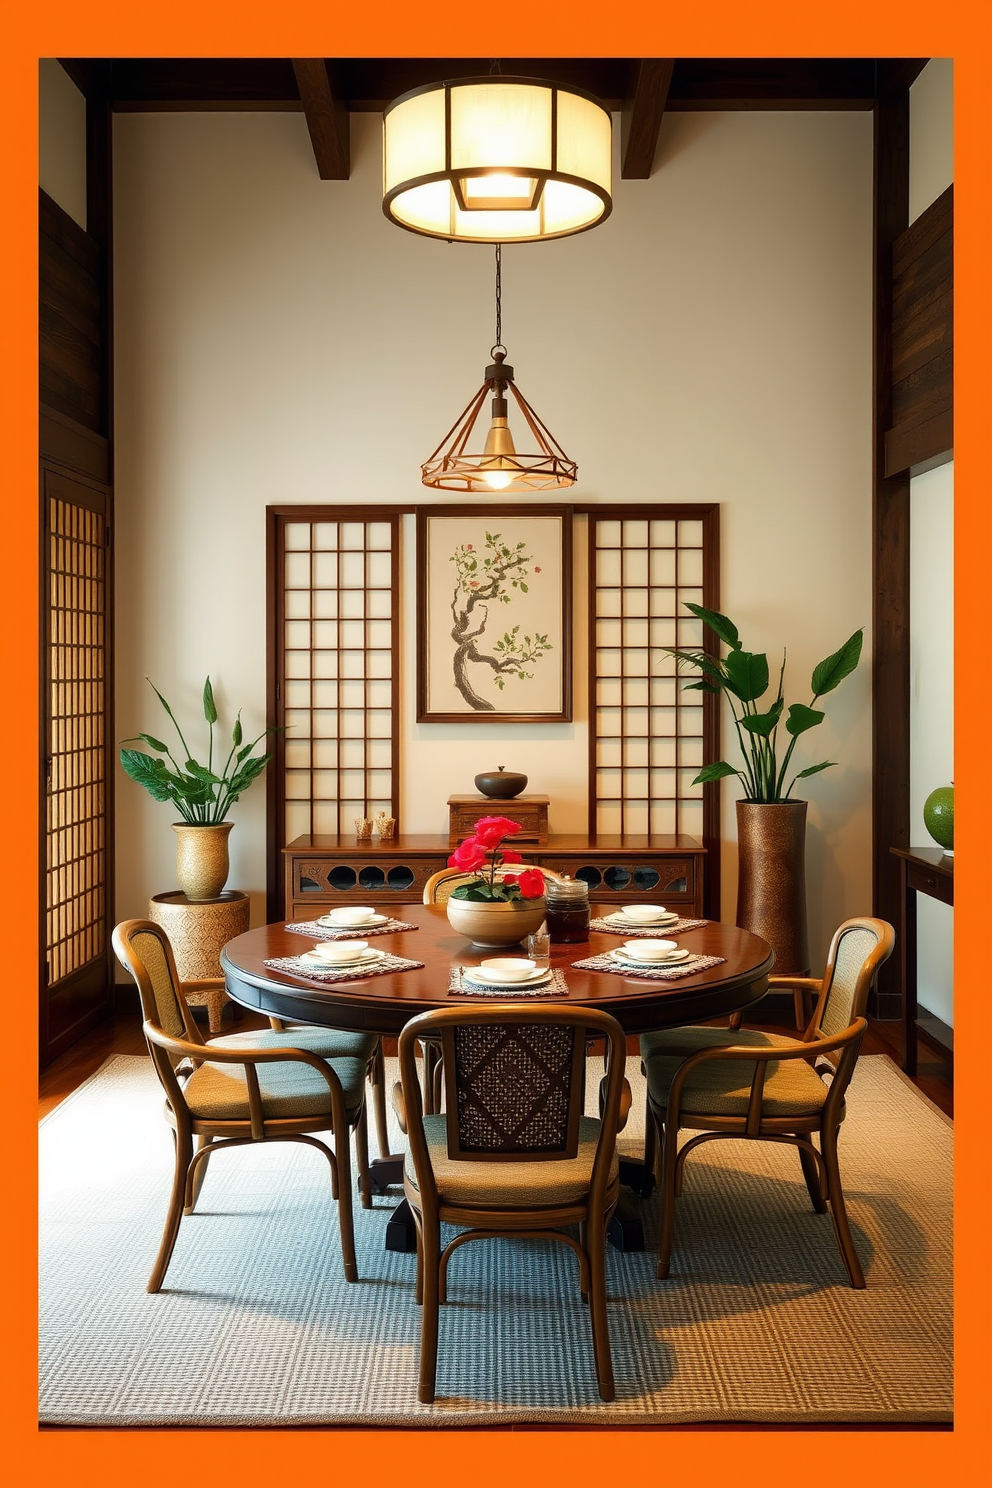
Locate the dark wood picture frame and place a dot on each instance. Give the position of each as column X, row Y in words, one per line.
column 510, row 524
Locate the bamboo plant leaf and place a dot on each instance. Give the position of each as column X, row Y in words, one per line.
column 763, row 723
column 717, row 771
column 702, row 687
column 831, row 672
column 152, row 741
column 237, row 735
column 815, row 769
column 151, row 773
column 747, row 674
column 209, row 706
column 724, row 628
column 202, row 773
column 802, row 718
column 701, row 659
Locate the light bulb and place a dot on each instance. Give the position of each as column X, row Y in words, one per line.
column 497, row 480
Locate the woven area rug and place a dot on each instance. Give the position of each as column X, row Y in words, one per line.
column 257, row 1327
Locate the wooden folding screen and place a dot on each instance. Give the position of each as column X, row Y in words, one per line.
column 333, row 671
column 76, row 713
column 648, row 737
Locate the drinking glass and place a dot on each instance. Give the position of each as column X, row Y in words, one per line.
column 539, row 948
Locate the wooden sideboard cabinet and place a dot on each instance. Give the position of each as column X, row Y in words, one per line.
column 327, row 870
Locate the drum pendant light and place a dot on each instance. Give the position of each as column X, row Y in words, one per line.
column 496, row 160
column 498, row 467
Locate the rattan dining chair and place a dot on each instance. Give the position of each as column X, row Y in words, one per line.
column 735, row 1082
column 263, row 1086
column 440, row 884
column 513, row 1153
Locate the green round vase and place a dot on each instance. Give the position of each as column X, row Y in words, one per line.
column 938, row 816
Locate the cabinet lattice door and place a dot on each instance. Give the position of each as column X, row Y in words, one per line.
column 76, row 727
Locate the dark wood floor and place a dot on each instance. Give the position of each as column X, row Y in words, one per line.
column 121, row 1034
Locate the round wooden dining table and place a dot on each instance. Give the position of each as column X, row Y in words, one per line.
column 383, row 1003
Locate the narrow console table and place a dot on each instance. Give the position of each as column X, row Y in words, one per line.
column 327, row 870
column 925, row 870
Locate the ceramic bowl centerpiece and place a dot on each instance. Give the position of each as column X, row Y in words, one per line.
column 203, row 794
column 501, row 784
column 494, row 908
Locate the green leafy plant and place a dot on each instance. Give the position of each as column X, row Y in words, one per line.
column 743, row 678
column 200, row 795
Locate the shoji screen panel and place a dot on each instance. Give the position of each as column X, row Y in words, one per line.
column 648, row 736
column 334, row 684
column 76, row 716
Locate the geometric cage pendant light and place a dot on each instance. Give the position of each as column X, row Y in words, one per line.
column 456, row 466
column 497, row 160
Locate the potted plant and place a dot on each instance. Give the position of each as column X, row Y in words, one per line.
column 202, row 797
column 494, row 908
column 771, row 825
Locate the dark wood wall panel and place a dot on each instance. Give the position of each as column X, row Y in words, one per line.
column 72, row 350
column 921, row 424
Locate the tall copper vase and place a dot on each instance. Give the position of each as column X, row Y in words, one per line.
column 771, row 879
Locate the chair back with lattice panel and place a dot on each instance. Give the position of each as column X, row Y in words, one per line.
column 859, row 947
column 439, row 886
column 143, row 949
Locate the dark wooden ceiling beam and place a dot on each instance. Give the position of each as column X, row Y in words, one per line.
column 642, row 113
column 327, row 118
column 714, row 83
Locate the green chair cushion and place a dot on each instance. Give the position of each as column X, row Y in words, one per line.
column 722, row 1087
column 329, row 1043
column 685, row 1040
column 290, row 1089
column 509, row 1185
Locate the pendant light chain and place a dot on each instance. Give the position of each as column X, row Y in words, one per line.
column 499, row 302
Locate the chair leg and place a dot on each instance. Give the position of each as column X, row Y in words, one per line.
column 666, row 1190
column 431, row 1247
column 814, row 1183
column 346, row 1222
column 199, row 1173
column 378, row 1079
column 184, row 1156
column 838, row 1210
column 650, row 1141
column 362, row 1154
column 596, row 1251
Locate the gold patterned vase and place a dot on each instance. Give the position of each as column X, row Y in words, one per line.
column 202, row 862
column 771, row 879
column 494, row 925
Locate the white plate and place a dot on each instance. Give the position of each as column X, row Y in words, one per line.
column 618, row 919
column 330, row 924
column 362, row 960
column 473, row 974
column 673, row 956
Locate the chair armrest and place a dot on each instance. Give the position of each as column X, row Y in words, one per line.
column 813, row 983
column 202, row 984
column 399, row 1105
column 626, row 1100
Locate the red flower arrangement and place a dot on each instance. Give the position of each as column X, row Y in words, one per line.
column 483, row 856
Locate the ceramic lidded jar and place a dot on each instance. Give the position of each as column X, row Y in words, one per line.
column 501, row 784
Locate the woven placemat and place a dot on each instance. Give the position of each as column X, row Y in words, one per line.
column 350, row 932
column 296, row 966
column 607, row 927
column 657, row 972
column 557, row 987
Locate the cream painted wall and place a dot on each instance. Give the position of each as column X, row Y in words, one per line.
column 931, row 134
column 62, row 139
column 279, row 341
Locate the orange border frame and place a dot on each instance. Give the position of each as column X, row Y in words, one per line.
column 958, row 28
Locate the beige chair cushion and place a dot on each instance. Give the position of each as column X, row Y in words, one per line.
column 685, row 1040
column 722, row 1087
column 511, row 1185
column 329, row 1043
column 290, row 1089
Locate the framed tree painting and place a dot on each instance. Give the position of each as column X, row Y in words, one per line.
column 493, row 611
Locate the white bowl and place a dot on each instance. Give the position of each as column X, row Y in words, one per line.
column 644, row 913
column 341, row 950
column 509, row 968
column 649, row 950
column 353, row 915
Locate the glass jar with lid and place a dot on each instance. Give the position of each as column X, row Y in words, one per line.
column 567, row 909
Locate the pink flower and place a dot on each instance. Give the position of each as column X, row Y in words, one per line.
column 510, row 857
column 468, row 547
column 468, row 855
column 490, row 829
column 537, row 570
column 531, row 883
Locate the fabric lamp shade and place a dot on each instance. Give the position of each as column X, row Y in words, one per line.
column 497, row 160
